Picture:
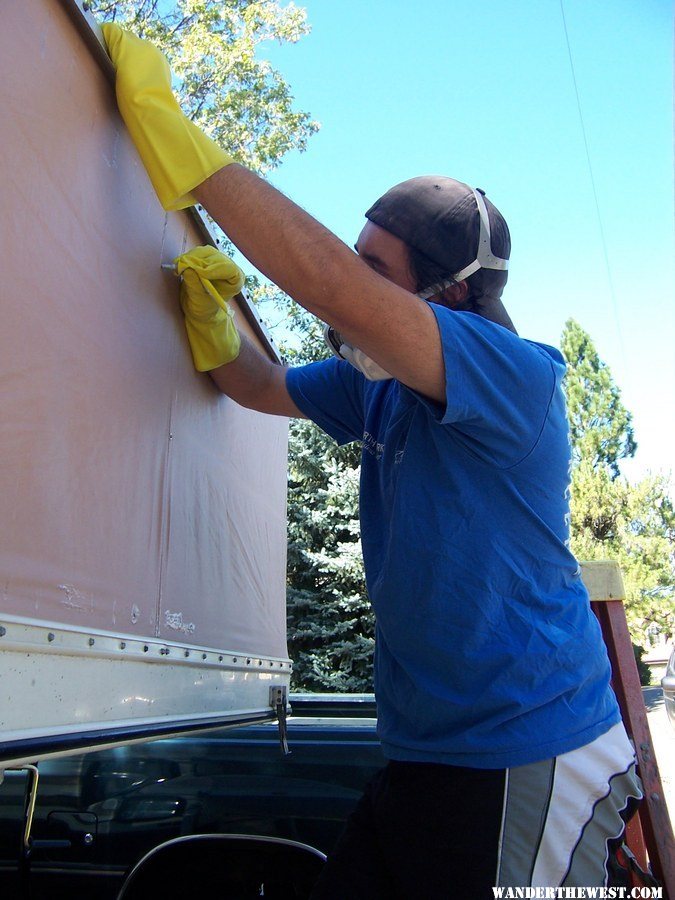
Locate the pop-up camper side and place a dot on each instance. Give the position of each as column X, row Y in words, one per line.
column 143, row 541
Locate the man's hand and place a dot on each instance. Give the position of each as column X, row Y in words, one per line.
column 210, row 280
column 176, row 154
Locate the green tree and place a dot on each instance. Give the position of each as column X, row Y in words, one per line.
column 331, row 625
column 212, row 45
column 633, row 524
column 644, row 672
column 330, row 620
column 601, row 427
column 610, row 517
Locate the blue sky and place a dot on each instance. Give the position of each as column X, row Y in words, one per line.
column 482, row 90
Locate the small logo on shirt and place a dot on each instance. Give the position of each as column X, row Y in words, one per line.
column 373, row 446
column 376, row 449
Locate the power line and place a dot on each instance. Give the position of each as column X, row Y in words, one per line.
column 615, row 306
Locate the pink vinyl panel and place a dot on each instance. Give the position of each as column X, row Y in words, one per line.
column 134, row 497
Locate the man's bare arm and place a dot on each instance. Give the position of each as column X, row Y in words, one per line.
column 390, row 325
column 254, row 381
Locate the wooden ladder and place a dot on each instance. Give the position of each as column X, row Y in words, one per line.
column 649, row 834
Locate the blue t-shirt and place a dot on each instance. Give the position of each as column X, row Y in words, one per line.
column 487, row 652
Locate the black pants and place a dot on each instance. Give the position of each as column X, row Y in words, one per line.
column 421, row 831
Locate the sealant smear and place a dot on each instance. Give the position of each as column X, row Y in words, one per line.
column 175, row 620
column 112, row 162
column 75, row 599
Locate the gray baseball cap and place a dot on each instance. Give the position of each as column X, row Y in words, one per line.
column 456, row 227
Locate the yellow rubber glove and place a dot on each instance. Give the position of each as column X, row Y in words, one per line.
column 176, row 154
column 210, row 279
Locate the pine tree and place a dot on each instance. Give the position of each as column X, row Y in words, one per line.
column 601, row 428
column 330, row 621
column 633, row 524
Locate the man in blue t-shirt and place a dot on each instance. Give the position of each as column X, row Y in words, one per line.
column 508, row 763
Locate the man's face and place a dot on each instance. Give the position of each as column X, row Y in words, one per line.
column 386, row 254
column 389, row 256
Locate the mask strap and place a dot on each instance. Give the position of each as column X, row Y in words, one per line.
column 436, row 288
column 485, row 258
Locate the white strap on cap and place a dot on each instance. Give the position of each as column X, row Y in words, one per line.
column 485, row 258
column 434, row 289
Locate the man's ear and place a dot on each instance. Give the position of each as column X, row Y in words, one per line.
column 455, row 295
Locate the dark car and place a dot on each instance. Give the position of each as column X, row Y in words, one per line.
column 98, row 813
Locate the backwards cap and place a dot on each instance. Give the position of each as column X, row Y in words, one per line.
column 456, row 227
